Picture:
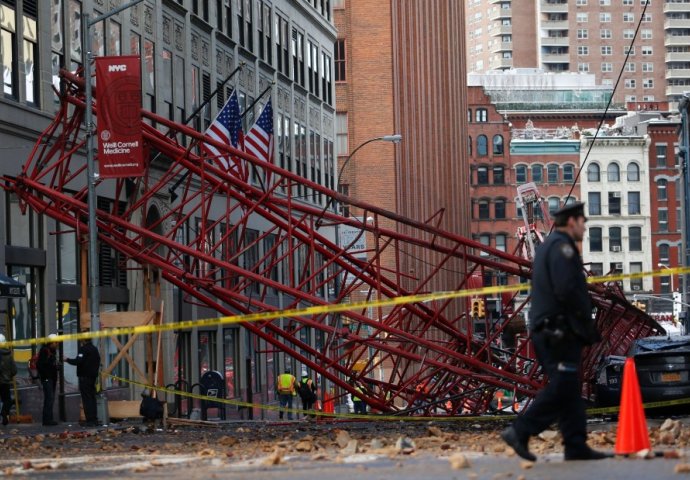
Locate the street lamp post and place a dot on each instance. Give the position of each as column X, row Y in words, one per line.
column 94, row 278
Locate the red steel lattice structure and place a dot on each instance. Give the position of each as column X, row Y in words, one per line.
column 421, row 357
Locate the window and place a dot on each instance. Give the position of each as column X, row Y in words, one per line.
column 30, row 56
column 636, row 283
column 583, row 67
column 582, row 33
column 482, row 146
column 554, row 204
column 647, row 51
column 498, row 145
column 244, row 24
column 615, row 240
column 613, row 173
column 648, row 83
column 339, row 53
column 552, row 173
column 646, row 34
column 606, row 50
column 595, row 240
column 499, row 175
column 297, row 46
column 264, row 28
column 341, row 133
column 593, row 173
column 501, row 241
column 634, row 207
column 469, row 146
column 482, row 176
column 630, row 83
column 8, row 52
column 633, row 172
column 537, row 173
column 606, row 67
column 635, row 239
column 647, row 67
column 500, row 209
column 628, row 34
column 628, row 17
column 661, row 154
column 662, row 189
column 568, row 173
column 605, row 33
column 484, row 210
column 583, row 50
column 664, row 253
column 614, row 203
column 630, row 67
column 663, row 219
column 597, row 269
column 521, row 173
column 582, row 17
column 481, row 115
column 594, row 203
column 313, row 67
column 605, row 17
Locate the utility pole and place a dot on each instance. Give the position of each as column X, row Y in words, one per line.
column 683, row 105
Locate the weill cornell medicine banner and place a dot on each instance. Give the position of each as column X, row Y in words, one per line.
column 120, row 152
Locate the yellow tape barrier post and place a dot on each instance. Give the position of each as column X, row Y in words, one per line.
column 319, row 309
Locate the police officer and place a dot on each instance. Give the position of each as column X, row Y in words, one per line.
column 88, row 363
column 560, row 326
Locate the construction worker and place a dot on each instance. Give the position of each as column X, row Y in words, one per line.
column 560, row 326
column 360, row 406
column 307, row 392
column 285, row 385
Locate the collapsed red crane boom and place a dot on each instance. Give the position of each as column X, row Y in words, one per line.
column 429, row 358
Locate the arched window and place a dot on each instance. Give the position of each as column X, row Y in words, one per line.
column 500, row 208
column 482, row 146
column 498, row 145
column 537, row 173
column 613, row 173
column 633, row 172
column 552, row 173
column 593, row 173
column 661, row 189
column 568, row 173
column 484, row 209
column 469, row 146
column 554, row 203
column 521, row 173
column 663, row 253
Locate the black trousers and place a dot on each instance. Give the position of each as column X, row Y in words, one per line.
column 6, row 398
column 48, row 386
column 87, row 388
column 561, row 399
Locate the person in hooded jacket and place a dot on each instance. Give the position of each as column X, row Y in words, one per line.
column 8, row 370
column 88, row 363
column 48, row 367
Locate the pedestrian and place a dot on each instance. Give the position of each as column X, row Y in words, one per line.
column 88, row 363
column 560, row 326
column 285, row 385
column 307, row 392
column 359, row 405
column 48, row 367
column 8, row 369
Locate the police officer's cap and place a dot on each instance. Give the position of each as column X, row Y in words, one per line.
column 576, row 209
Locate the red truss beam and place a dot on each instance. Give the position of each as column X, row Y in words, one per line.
column 271, row 248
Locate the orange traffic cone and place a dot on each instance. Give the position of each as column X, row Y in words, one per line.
column 632, row 435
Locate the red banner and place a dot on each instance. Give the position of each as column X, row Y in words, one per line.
column 120, row 152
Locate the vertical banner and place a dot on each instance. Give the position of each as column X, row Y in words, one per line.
column 120, row 152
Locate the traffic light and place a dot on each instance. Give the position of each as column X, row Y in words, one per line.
column 478, row 308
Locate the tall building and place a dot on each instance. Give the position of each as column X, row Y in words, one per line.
column 591, row 36
column 187, row 48
column 394, row 77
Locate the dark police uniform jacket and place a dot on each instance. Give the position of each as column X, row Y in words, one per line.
column 88, row 361
column 559, row 290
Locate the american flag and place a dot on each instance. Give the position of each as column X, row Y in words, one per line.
column 227, row 129
column 259, row 139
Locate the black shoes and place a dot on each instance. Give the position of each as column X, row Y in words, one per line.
column 510, row 436
column 586, row 454
column 51, row 423
column 5, row 419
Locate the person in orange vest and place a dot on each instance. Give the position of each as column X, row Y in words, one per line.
column 285, row 385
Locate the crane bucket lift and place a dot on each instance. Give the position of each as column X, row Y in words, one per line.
column 421, row 357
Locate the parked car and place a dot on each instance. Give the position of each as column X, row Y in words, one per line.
column 663, row 370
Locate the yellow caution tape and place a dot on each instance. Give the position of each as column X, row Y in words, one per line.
column 320, row 309
column 646, row 406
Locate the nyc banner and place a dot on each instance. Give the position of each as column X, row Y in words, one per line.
column 120, row 146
